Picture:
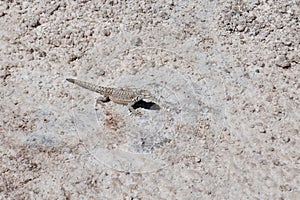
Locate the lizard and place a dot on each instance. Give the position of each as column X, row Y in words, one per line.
column 124, row 96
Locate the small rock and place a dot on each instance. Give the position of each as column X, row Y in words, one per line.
column 2, row 14
column 42, row 53
column 137, row 41
column 101, row 72
column 106, row 32
column 72, row 57
column 287, row 41
column 34, row 22
column 262, row 130
column 250, row 18
column 294, row 57
column 241, row 27
column 279, row 25
column 286, row 139
column 282, row 61
column 261, row 64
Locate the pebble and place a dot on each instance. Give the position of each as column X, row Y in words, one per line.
column 282, row 61
column 137, row 41
column 294, row 57
column 34, row 22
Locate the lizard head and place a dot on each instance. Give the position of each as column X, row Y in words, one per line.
column 146, row 95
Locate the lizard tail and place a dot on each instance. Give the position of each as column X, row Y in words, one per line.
column 85, row 85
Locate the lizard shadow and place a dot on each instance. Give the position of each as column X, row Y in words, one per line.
column 146, row 105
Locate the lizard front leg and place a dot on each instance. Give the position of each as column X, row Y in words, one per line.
column 133, row 111
column 130, row 106
column 102, row 99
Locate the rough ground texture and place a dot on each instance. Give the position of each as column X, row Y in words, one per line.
column 226, row 73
